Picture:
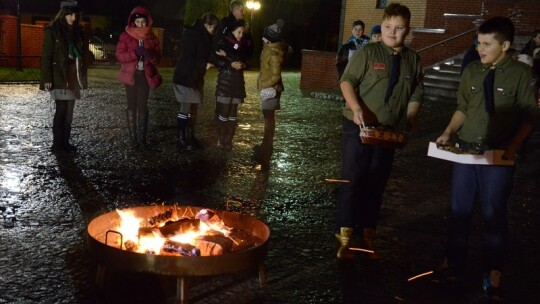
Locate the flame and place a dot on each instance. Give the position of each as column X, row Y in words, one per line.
column 146, row 243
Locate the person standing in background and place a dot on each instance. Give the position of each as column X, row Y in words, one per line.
column 270, row 86
column 356, row 41
column 63, row 70
column 375, row 34
column 188, row 78
column 138, row 53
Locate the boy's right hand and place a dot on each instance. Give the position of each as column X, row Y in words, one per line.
column 444, row 140
column 366, row 118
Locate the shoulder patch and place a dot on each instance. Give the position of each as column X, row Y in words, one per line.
column 532, row 82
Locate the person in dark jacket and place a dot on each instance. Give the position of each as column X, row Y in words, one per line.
column 532, row 48
column 63, row 70
column 195, row 50
column 356, row 41
column 236, row 12
column 138, row 53
column 231, row 61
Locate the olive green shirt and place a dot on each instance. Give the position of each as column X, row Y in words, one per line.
column 369, row 72
column 514, row 101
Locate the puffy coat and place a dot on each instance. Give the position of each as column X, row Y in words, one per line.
column 195, row 49
column 230, row 82
column 125, row 51
column 54, row 58
column 272, row 58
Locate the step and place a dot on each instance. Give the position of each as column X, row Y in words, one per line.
column 437, row 84
column 441, row 76
column 440, row 92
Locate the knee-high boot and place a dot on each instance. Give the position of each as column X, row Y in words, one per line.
column 142, row 125
column 221, row 131
column 193, row 141
column 131, row 120
column 181, row 138
column 229, row 135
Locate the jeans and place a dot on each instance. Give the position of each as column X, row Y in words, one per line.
column 493, row 184
column 367, row 168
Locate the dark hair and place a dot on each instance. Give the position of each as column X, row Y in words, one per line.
column 502, row 28
column 59, row 19
column 234, row 25
column 235, row 3
column 359, row 22
column 397, row 10
column 208, row 18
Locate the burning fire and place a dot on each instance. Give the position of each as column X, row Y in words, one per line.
column 169, row 232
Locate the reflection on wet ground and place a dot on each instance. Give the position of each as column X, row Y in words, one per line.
column 47, row 200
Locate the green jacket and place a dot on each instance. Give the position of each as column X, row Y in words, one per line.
column 369, row 72
column 54, row 60
column 513, row 97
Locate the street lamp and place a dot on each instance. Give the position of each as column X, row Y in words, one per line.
column 252, row 6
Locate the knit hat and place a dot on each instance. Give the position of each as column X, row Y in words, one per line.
column 376, row 29
column 69, row 6
column 273, row 32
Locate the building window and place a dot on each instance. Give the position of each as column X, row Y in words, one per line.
column 381, row 3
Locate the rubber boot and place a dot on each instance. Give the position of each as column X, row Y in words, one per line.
column 58, row 137
column 132, row 127
column 221, row 131
column 193, row 141
column 229, row 135
column 344, row 239
column 181, row 140
column 368, row 242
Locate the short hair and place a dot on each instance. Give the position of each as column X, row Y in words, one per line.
column 397, row 10
column 502, row 28
column 359, row 22
column 235, row 3
column 209, row 18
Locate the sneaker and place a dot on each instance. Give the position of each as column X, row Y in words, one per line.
column 491, row 285
column 443, row 274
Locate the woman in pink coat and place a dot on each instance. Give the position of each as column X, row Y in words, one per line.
column 138, row 53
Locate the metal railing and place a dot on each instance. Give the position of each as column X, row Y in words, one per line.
column 442, row 42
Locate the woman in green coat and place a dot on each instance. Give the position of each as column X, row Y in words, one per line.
column 63, row 70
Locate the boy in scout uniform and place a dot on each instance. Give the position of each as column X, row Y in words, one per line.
column 496, row 109
column 382, row 85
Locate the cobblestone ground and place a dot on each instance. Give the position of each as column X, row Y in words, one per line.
column 46, row 201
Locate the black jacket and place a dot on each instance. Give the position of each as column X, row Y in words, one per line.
column 195, row 49
column 230, row 82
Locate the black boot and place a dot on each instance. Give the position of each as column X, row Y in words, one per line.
column 221, row 132
column 58, row 138
column 229, row 135
column 67, row 134
column 194, row 142
column 142, row 125
column 181, row 139
column 132, row 127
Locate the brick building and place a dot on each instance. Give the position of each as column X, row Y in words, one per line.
column 441, row 29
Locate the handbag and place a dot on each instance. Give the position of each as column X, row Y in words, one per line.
column 268, row 93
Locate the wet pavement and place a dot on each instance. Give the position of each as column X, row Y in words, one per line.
column 47, row 200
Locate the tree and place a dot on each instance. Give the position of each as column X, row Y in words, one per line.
column 196, row 8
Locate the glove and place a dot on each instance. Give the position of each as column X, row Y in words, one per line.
column 140, row 51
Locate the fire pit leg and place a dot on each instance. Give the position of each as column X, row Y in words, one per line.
column 262, row 276
column 181, row 290
column 100, row 276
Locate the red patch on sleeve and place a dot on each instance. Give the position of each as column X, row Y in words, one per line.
column 379, row 66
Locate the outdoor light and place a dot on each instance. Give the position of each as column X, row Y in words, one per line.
column 253, row 5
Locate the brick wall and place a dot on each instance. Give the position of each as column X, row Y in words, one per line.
column 318, row 70
column 31, row 40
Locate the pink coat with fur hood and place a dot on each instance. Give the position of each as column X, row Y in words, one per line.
column 129, row 41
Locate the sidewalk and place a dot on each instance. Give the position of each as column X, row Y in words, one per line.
column 47, row 201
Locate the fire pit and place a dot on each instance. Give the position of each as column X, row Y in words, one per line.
column 108, row 247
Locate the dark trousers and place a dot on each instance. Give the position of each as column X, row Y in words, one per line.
column 493, row 184
column 367, row 168
column 63, row 117
column 137, row 107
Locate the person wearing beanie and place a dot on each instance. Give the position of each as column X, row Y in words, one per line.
column 270, row 86
column 63, row 70
column 231, row 59
column 375, row 34
column 188, row 78
column 138, row 53
column 356, row 41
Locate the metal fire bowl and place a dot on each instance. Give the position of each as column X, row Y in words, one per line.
column 178, row 265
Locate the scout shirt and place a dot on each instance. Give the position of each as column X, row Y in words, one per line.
column 369, row 72
column 513, row 98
